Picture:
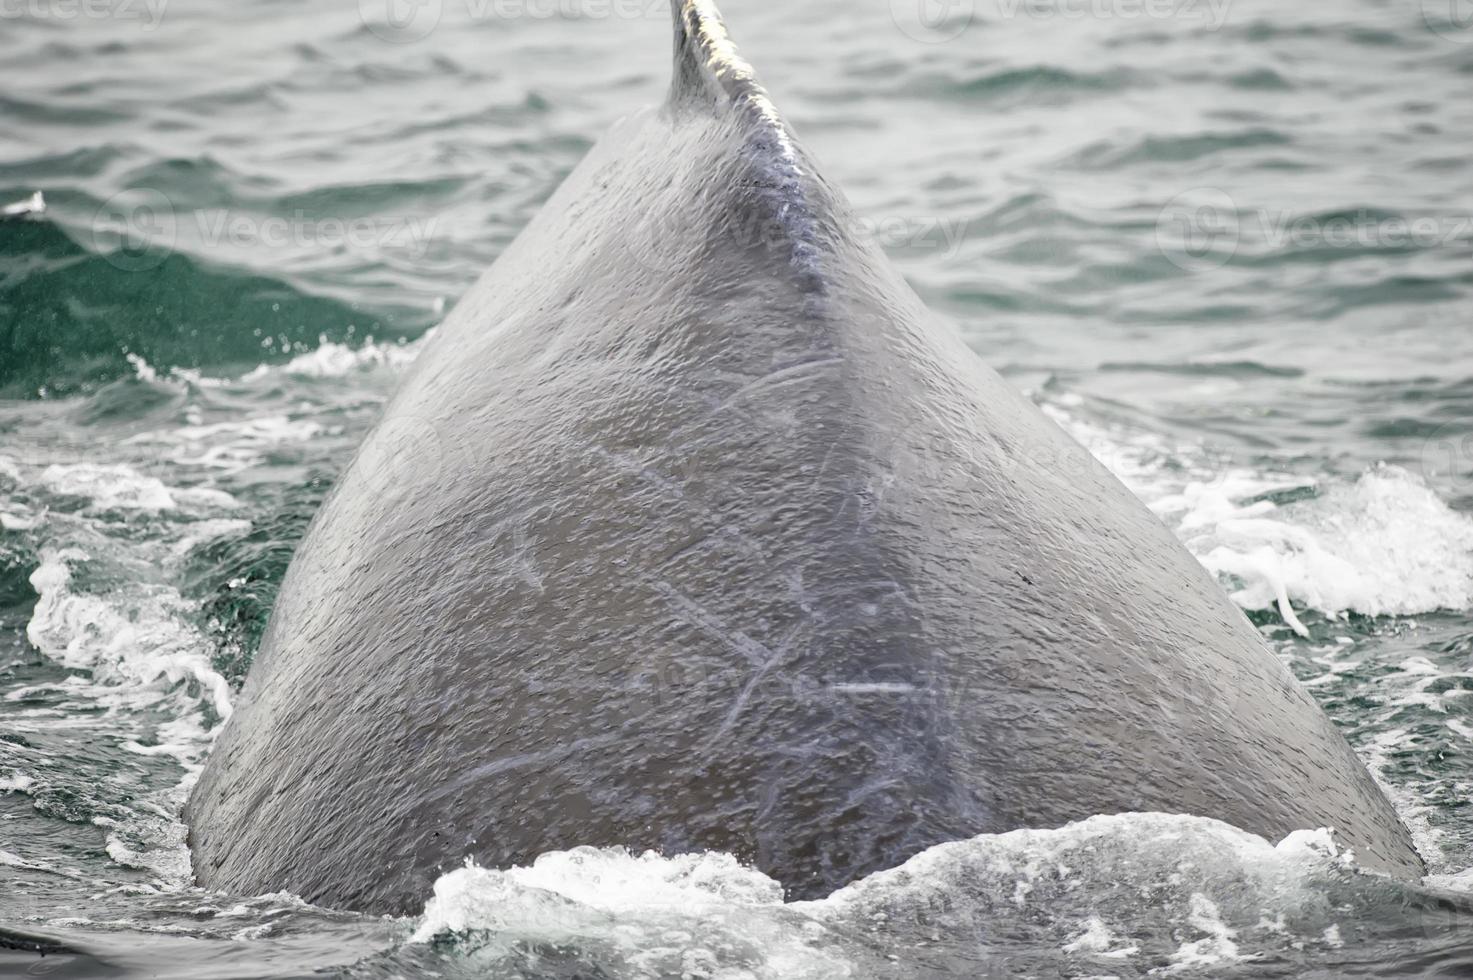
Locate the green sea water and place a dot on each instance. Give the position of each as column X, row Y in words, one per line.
column 1226, row 244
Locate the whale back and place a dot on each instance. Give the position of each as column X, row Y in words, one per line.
column 691, row 529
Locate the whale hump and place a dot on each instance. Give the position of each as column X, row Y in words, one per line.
column 693, row 529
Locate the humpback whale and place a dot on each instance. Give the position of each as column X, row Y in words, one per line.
column 692, row 528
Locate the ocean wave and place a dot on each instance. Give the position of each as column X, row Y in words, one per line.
column 1033, row 83
column 1175, row 149
column 1207, row 369
column 76, row 316
column 129, row 681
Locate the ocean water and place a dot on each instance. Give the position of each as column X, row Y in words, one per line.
column 1227, row 244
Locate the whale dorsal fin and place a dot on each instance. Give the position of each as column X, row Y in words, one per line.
column 707, row 64
column 710, row 75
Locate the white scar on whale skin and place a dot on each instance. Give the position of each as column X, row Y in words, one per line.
column 874, row 688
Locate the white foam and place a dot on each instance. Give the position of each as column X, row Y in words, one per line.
column 20, row 518
column 110, row 613
column 1184, row 891
column 1415, row 812
column 202, row 532
column 156, row 843
column 143, row 660
column 108, row 487
column 17, row 783
column 227, row 447
column 1098, row 940
column 203, row 499
column 334, row 360
column 138, row 649
column 142, row 370
column 1384, row 545
column 1461, row 881
column 328, row 359
column 1206, row 847
column 1217, row 948
column 14, row 515
column 602, row 879
column 35, row 204
column 698, row 915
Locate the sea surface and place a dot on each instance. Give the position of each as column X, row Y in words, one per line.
column 1227, row 244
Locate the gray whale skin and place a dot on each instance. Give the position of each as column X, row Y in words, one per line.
column 691, row 528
